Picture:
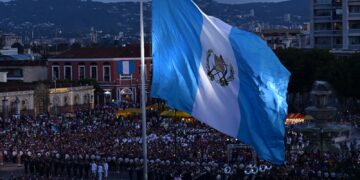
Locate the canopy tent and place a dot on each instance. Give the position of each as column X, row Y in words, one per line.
column 133, row 110
column 308, row 117
column 172, row 113
column 70, row 115
column 295, row 118
column 123, row 113
column 153, row 107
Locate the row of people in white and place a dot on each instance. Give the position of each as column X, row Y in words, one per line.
column 98, row 170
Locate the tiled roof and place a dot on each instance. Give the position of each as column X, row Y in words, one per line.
column 121, row 52
column 23, row 63
column 16, row 86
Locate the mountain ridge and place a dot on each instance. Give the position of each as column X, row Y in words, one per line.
column 76, row 17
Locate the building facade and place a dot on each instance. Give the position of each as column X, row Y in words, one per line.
column 7, row 40
column 335, row 24
column 285, row 38
column 25, row 70
column 30, row 99
column 117, row 71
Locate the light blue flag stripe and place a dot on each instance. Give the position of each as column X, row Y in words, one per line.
column 263, row 115
column 119, row 67
column 177, row 52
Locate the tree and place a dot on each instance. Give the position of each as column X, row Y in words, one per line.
column 19, row 47
column 306, row 66
column 75, row 45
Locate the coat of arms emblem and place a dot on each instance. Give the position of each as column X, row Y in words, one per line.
column 218, row 70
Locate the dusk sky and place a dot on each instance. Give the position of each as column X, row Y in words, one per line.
column 226, row 1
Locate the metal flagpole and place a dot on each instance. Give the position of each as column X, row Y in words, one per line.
column 143, row 111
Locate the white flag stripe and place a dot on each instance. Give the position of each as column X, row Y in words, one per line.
column 215, row 103
column 126, row 67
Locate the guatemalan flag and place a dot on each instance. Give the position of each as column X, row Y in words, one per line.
column 225, row 77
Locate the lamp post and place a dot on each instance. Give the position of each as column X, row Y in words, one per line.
column 55, row 103
column 175, row 141
column 17, row 107
column 5, row 108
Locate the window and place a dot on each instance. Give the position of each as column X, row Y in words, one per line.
column 93, row 72
column 14, row 74
column 355, row 40
column 81, row 72
column 55, row 72
column 338, row 12
column 338, row 40
column 337, row 26
column 107, row 73
column 354, row 9
column 67, row 72
column 322, row 12
column 322, row 1
column 322, row 26
column 354, row 24
column 322, row 40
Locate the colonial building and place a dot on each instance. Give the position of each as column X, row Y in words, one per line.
column 34, row 99
column 117, row 70
column 25, row 70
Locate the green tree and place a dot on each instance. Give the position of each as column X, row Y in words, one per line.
column 19, row 47
column 75, row 45
column 306, row 66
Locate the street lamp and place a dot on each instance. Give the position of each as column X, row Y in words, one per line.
column 4, row 108
column 55, row 99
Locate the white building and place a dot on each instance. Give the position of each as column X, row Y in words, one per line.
column 40, row 99
column 7, row 40
column 335, row 24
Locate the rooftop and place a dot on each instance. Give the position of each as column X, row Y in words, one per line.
column 13, row 86
column 23, row 63
column 121, row 52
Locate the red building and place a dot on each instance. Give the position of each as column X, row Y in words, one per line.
column 117, row 70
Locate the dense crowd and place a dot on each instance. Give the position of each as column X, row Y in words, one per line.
column 89, row 144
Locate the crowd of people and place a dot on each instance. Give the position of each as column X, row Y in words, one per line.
column 89, row 144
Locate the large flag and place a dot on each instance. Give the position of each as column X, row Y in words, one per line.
column 223, row 76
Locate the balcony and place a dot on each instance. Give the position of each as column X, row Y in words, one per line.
column 322, row 6
column 354, row 31
column 354, row 2
column 337, row 17
column 323, row 18
column 323, row 46
column 328, row 32
column 337, row 46
column 354, row 16
column 354, row 47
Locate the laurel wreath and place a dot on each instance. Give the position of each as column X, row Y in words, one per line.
column 223, row 81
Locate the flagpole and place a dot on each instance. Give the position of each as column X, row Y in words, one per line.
column 143, row 111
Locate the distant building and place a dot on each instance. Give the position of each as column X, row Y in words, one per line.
column 34, row 99
column 287, row 17
column 252, row 13
column 285, row 38
column 7, row 40
column 335, row 24
column 24, row 70
column 8, row 51
column 117, row 70
column 3, row 76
